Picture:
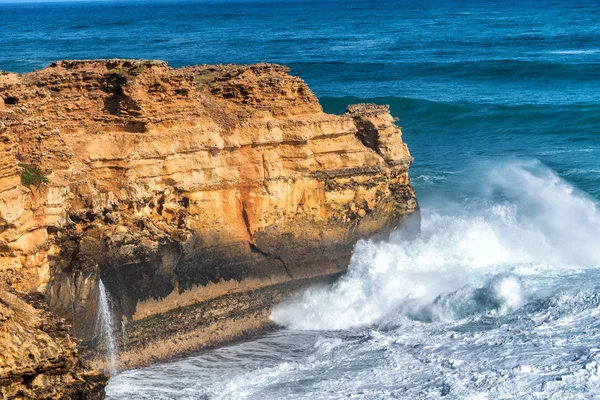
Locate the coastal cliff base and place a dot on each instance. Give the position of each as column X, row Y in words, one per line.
column 202, row 325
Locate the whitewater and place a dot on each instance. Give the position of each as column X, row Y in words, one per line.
column 497, row 297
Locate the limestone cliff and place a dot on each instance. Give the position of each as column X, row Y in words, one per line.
column 38, row 358
column 198, row 195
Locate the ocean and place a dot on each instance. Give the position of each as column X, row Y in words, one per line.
column 499, row 297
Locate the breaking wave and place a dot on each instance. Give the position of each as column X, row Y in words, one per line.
column 497, row 298
column 490, row 254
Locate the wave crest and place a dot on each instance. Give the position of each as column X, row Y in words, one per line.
column 521, row 220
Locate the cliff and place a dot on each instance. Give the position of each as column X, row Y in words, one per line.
column 38, row 359
column 200, row 195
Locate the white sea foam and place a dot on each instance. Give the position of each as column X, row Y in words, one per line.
column 554, row 152
column 524, row 218
column 106, row 324
column 496, row 299
column 575, row 52
column 429, row 178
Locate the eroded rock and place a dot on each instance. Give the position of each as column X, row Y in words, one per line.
column 39, row 359
column 177, row 186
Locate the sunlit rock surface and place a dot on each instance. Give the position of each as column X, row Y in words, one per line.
column 200, row 195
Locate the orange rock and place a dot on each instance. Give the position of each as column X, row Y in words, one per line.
column 164, row 180
column 39, row 359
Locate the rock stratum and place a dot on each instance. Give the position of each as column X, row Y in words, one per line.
column 39, row 359
column 200, row 196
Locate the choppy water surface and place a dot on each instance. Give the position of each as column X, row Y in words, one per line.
column 500, row 103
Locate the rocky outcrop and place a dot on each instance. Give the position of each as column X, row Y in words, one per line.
column 38, row 359
column 178, row 187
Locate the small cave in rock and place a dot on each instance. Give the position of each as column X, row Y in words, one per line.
column 368, row 134
column 185, row 202
column 27, row 379
column 11, row 100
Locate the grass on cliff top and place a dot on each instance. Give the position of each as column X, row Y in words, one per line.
column 32, row 176
column 131, row 71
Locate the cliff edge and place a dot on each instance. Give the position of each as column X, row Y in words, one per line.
column 199, row 196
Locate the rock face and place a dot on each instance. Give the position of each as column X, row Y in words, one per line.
column 177, row 187
column 38, row 358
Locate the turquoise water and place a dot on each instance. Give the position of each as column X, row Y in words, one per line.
column 500, row 105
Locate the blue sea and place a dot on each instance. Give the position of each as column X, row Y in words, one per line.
column 499, row 297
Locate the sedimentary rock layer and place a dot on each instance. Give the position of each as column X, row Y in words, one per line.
column 178, row 186
column 38, row 358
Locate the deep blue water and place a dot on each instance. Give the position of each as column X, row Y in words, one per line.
column 500, row 105
column 468, row 79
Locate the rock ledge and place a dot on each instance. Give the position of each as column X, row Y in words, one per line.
column 180, row 187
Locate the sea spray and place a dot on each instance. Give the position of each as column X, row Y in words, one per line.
column 124, row 333
column 521, row 219
column 499, row 297
column 106, row 320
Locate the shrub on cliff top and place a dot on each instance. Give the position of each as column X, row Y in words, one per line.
column 135, row 71
column 118, row 71
column 138, row 70
column 32, row 176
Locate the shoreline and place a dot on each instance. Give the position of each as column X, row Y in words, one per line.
column 213, row 323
